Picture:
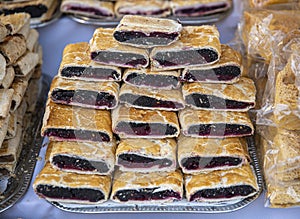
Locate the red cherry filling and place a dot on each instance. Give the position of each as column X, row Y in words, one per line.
column 136, row 161
column 198, row 163
column 85, row 97
column 156, row 81
column 186, row 57
column 91, row 72
column 120, row 59
column 220, row 129
column 72, row 135
column 223, row 192
column 145, row 13
column 224, row 73
column 146, row 194
column 34, row 10
column 145, row 101
column 210, row 101
column 81, row 194
column 200, row 10
column 77, row 163
column 90, row 10
column 145, row 129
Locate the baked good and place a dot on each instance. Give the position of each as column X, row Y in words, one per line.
column 106, row 50
column 147, row 32
column 83, row 157
column 196, row 155
column 19, row 85
column 197, row 46
column 139, row 123
column 32, row 40
column 77, row 64
column 264, row 3
column 6, row 96
column 31, row 94
column 145, row 98
column 154, row 8
column 17, row 23
column 152, row 79
column 12, row 126
column 54, row 185
column 8, row 77
column 156, row 187
column 221, row 185
column 3, row 31
column 26, row 63
column 89, row 8
column 2, row 67
column 197, row 8
column 227, row 70
column 286, row 105
column 146, row 155
column 63, row 122
column 98, row 95
column 215, row 124
column 226, row 97
column 13, row 47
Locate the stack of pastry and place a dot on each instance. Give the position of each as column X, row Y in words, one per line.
column 154, row 55
column 20, row 69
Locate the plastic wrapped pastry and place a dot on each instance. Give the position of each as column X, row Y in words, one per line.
column 156, row 187
column 146, row 155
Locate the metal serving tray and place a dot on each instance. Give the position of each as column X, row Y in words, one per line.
column 181, row 206
column 17, row 185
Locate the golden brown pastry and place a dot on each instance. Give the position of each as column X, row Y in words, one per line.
column 26, row 64
column 54, row 185
column 264, row 3
column 17, row 23
column 138, row 123
column 12, row 48
column 156, row 187
column 146, row 155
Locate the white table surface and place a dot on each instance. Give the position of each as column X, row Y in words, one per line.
column 54, row 38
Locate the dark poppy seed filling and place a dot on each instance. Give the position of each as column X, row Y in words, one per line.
column 145, row 13
column 140, row 38
column 214, row 102
column 145, row 101
column 198, row 162
column 77, row 163
column 145, row 129
column 220, row 129
column 90, row 10
column 71, row 134
column 223, row 73
column 86, row 97
column 146, row 194
column 158, row 81
column 7, row 158
column 4, row 172
column 35, row 11
column 228, row 192
column 136, row 161
column 200, row 10
column 90, row 72
column 119, row 59
column 82, row 194
column 186, row 57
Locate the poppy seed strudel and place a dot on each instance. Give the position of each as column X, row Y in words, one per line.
column 197, row 46
column 98, row 95
column 145, row 98
column 63, row 122
column 138, row 123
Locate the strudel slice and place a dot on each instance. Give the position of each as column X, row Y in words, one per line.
column 145, row 98
column 215, row 124
column 156, row 187
column 77, row 64
column 89, row 8
column 17, row 23
column 147, row 32
column 197, row 46
column 12, row 126
column 12, row 48
column 63, row 122
column 154, row 8
column 146, row 155
column 226, row 97
column 197, row 8
column 138, row 123
column 19, row 85
column 227, row 70
column 6, row 96
column 4, row 122
column 144, row 77
column 197, row 155
column 26, row 63
column 83, row 157
column 8, row 79
column 55, row 185
column 98, row 95
column 106, row 50
column 221, row 185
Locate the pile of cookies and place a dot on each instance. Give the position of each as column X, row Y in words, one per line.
column 126, row 84
column 20, row 70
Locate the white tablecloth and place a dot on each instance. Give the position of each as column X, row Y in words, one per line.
column 54, row 38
